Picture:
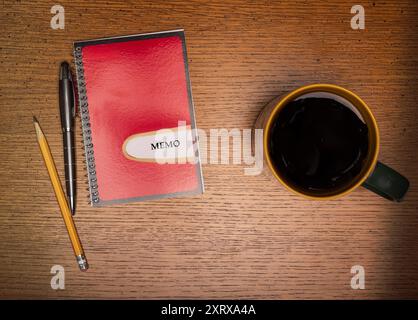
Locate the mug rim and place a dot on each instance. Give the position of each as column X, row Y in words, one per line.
column 341, row 92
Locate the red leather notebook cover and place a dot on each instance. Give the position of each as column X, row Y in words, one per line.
column 132, row 85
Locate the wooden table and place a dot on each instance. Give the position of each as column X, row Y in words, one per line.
column 246, row 237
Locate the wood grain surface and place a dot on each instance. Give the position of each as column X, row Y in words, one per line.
column 246, row 237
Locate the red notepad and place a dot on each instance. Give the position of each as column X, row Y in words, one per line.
column 130, row 88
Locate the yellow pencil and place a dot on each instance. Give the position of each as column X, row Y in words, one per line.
column 62, row 200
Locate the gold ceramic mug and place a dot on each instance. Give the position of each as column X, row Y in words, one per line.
column 373, row 175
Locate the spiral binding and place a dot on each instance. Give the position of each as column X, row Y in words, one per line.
column 85, row 127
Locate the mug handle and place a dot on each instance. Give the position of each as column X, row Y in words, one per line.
column 387, row 183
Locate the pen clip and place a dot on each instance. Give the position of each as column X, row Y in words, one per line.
column 75, row 101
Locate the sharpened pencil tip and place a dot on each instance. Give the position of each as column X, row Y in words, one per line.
column 37, row 127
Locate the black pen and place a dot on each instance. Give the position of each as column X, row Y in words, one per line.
column 67, row 111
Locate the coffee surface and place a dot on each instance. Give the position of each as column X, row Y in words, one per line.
column 318, row 144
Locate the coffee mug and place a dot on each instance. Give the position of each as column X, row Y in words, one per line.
column 321, row 141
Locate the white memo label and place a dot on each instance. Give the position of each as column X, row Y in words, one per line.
column 172, row 145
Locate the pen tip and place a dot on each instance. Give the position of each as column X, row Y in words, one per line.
column 72, row 205
column 34, row 119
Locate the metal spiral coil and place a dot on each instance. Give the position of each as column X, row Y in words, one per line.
column 85, row 127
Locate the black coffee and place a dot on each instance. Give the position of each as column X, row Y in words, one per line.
column 318, row 144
